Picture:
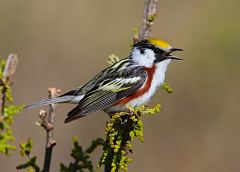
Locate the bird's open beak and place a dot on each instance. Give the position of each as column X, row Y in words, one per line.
column 169, row 56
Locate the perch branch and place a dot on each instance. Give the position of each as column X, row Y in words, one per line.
column 47, row 122
column 126, row 128
column 150, row 8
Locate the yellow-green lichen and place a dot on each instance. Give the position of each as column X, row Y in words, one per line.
column 120, row 131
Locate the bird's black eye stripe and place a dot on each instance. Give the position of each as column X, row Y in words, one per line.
column 157, row 50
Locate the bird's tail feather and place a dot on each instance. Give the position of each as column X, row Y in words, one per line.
column 62, row 99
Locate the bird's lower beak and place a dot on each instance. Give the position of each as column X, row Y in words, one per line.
column 174, row 58
column 169, row 56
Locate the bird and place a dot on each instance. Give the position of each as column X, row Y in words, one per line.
column 131, row 81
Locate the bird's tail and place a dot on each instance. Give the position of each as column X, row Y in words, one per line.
column 63, row 99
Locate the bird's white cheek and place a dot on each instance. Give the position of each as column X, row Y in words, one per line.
column 145, row 59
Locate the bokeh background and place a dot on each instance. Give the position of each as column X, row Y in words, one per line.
column 64, row 43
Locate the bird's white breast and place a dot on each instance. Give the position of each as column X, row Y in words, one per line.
column 157, row 81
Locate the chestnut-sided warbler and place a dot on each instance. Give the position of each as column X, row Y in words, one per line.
column 129, row 82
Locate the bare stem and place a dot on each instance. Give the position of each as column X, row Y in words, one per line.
column 48, row 124
column 148, row 18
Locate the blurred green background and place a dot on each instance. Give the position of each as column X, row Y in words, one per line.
column 64, row 43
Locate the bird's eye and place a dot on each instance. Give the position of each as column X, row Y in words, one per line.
column 142, row 51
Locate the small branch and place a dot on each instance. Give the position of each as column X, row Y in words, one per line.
column 149, row 16
column 30, row 163
column 25, row 151
column 6, row 80
column 81, row 157
column 120, row 134
column 47, row 122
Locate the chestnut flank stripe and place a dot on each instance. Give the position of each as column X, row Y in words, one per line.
column 142, row 91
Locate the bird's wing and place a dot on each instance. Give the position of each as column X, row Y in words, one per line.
column 111, row 90
column 82, row 90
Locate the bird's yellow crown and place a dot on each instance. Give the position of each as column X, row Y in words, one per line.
column 160, row 43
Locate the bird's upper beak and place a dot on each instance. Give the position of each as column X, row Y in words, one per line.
column 169, row 56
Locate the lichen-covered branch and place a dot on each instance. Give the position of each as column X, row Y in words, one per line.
column 123, row 127
column 120, row 132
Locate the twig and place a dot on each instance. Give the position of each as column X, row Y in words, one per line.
column 9, row 70
column 149, row 16
column 48, row 124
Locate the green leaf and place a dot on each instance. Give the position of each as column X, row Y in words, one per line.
column 26, row 147
column 7, row 118
column 167, row 87
column 5, row 137
column 151, row 18
column 81, row 158
column 25, row 151
column 5, row 130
